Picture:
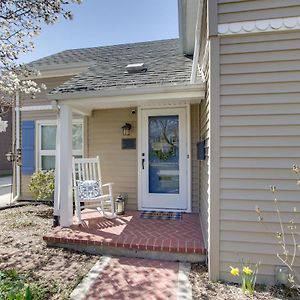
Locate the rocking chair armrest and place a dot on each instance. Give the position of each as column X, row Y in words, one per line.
column 108, row 184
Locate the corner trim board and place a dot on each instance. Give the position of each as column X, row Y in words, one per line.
column 266, row 25
column 214, row 161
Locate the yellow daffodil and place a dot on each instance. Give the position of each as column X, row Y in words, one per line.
column 234, row 271
column 247, row 271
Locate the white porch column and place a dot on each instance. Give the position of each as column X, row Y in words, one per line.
column 57, row 173
column 63, row 191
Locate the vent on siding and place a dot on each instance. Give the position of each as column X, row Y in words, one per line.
column 136, row 68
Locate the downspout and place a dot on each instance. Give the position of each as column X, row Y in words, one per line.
column 197, row 44
column 17, row 146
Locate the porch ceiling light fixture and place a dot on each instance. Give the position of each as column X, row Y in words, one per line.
column 136, row 68
column 126, row 129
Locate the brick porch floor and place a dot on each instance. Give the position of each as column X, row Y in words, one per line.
column 130, row 232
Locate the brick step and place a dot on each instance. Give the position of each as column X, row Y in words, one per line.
column 129, row 250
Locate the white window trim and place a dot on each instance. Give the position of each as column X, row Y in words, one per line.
column 38, row 139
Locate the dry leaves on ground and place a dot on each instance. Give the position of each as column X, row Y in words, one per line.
column 57, row 271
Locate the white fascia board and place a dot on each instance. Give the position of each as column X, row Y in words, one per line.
column 36, row 108
column 128, row 92
column 59, row 70
column 52, row 106
column 136, row 97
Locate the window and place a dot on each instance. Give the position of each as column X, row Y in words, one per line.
column 47, row 143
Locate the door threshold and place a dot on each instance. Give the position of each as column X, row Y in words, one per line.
column 165, row 209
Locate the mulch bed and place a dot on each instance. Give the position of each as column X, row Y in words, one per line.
column 205, row 290
column 56, row 271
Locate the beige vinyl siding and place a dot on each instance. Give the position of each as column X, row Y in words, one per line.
column 259, row 142
column 204, row 166
column 117, row 165
column 244, row 10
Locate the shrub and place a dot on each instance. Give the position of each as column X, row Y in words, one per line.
column 42, row 185
column 288, row 254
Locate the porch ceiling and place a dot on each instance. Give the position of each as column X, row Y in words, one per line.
column 85, row 102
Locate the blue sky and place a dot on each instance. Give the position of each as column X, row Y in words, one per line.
column 108, row 22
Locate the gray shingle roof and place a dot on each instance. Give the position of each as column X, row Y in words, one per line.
column 164, row 60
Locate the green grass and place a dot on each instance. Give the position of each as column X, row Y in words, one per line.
column 15, row 286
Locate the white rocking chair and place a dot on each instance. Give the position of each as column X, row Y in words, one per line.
column 85, row 169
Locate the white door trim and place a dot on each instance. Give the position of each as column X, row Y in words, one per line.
column 139, row 154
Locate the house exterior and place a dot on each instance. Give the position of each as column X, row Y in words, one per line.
column 239, row 92
column 6, row 145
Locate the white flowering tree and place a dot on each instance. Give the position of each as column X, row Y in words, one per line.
column 20, row 21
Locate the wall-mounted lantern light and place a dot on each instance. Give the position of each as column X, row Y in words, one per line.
column 10, row 156
column 126, row 129
column 17, row 157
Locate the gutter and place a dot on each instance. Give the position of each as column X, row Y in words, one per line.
column 127, row 92
column 197, row 43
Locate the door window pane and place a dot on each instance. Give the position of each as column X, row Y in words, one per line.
column 163, row 154
column 48, row 162
column 48, row 137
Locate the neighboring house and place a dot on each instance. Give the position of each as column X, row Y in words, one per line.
column 6, row 145
column 240, row 93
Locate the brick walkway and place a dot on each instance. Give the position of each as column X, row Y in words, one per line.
column 132, row 278
column 132, row 232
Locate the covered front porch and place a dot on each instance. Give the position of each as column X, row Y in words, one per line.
column 129, row 169
column 130, row 235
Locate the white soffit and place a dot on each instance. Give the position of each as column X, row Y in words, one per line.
column 267, row 25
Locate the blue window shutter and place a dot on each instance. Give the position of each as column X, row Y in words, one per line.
column 28, row 147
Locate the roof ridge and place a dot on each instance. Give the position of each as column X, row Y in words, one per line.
column 136, row 44
column 123, row 44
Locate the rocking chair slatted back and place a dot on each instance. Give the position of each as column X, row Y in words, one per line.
column 86, row 169
column 89, row 169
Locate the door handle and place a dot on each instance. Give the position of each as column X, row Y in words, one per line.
column 143, row 163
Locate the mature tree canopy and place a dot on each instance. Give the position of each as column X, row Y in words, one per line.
column 20, row 21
